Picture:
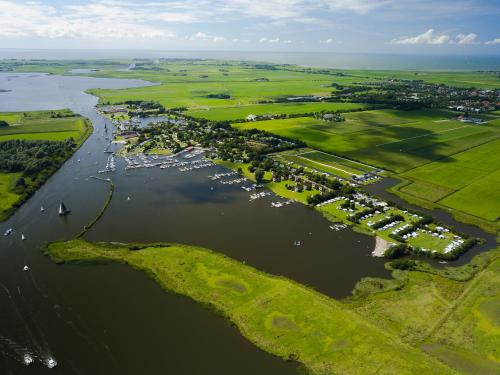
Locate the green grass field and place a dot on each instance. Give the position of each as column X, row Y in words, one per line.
column 393, row 140
column 468, row 181
column 276, row 314
column 450, row 313
column 241, row 112
column 41, row 126
column 7, row 196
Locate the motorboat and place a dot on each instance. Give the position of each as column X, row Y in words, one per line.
column 27, row 359
column 8, row 231
column 26, row 268
column 50, row 362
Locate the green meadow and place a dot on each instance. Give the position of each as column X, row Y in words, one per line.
column 195, row 95
column 241, row 112
column 450, row 313
column 393, row 140
column 468, row 181
column 42, row 126
column 276, row 314
column 7, row 195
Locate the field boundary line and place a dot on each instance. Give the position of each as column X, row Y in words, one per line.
column 325, row 165
column 423, row 135
column 340, row 157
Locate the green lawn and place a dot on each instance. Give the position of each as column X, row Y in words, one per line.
column 276, row 314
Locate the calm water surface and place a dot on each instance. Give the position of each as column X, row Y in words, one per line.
column 111, row 319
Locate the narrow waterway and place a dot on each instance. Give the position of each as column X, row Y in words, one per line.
column 111, row 319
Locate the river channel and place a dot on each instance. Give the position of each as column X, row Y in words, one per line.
column 110, row 319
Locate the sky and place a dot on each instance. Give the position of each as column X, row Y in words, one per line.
column 352, row 26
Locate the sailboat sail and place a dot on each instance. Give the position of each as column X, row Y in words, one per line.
column 63, row 210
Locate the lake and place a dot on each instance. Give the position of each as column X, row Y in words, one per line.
column 112, row 319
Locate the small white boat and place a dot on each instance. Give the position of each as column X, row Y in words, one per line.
column 27, row 359
column 23, row 237
column 50, row 362
column 8, row 231
column 128, row 198
column 42, row 209
column 26, row 268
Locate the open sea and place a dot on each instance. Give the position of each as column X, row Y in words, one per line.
column 316, row 59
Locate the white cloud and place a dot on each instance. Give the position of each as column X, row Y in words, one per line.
column 426, row 38
column 357, row 6
column 466, row 39
column 206, row 37
column 494, row 41
column 265, row 39
column 97, row 20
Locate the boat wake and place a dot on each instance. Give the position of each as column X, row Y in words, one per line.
column 33, row 346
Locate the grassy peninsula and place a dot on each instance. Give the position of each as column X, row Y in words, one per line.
column 276, row 314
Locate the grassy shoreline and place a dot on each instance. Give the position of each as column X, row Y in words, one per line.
column 278, row 315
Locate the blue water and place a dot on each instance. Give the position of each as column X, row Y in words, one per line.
column 317, row 59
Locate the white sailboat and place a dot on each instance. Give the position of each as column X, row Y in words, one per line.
column 26, row 268
column 42, row 209
column 63, row 210
column 23, row 237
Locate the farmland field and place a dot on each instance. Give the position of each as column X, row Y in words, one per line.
column 461, row 182
column 241, row 112
column 390, row 139
column 40, row 126
column 329, row 163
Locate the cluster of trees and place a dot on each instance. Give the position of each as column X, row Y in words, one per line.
column 218, row 96
column 390, row 219
column 37, row 160
column 339, row 190
column 358, row 215
column 32, row 157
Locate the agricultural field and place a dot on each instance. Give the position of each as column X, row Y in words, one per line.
column 483, row 80
column 241, row 112
column 276, row 314
column 468, row 181
column 199, row 95
column 42, row 126
column 331, row 164
column 393, row 140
